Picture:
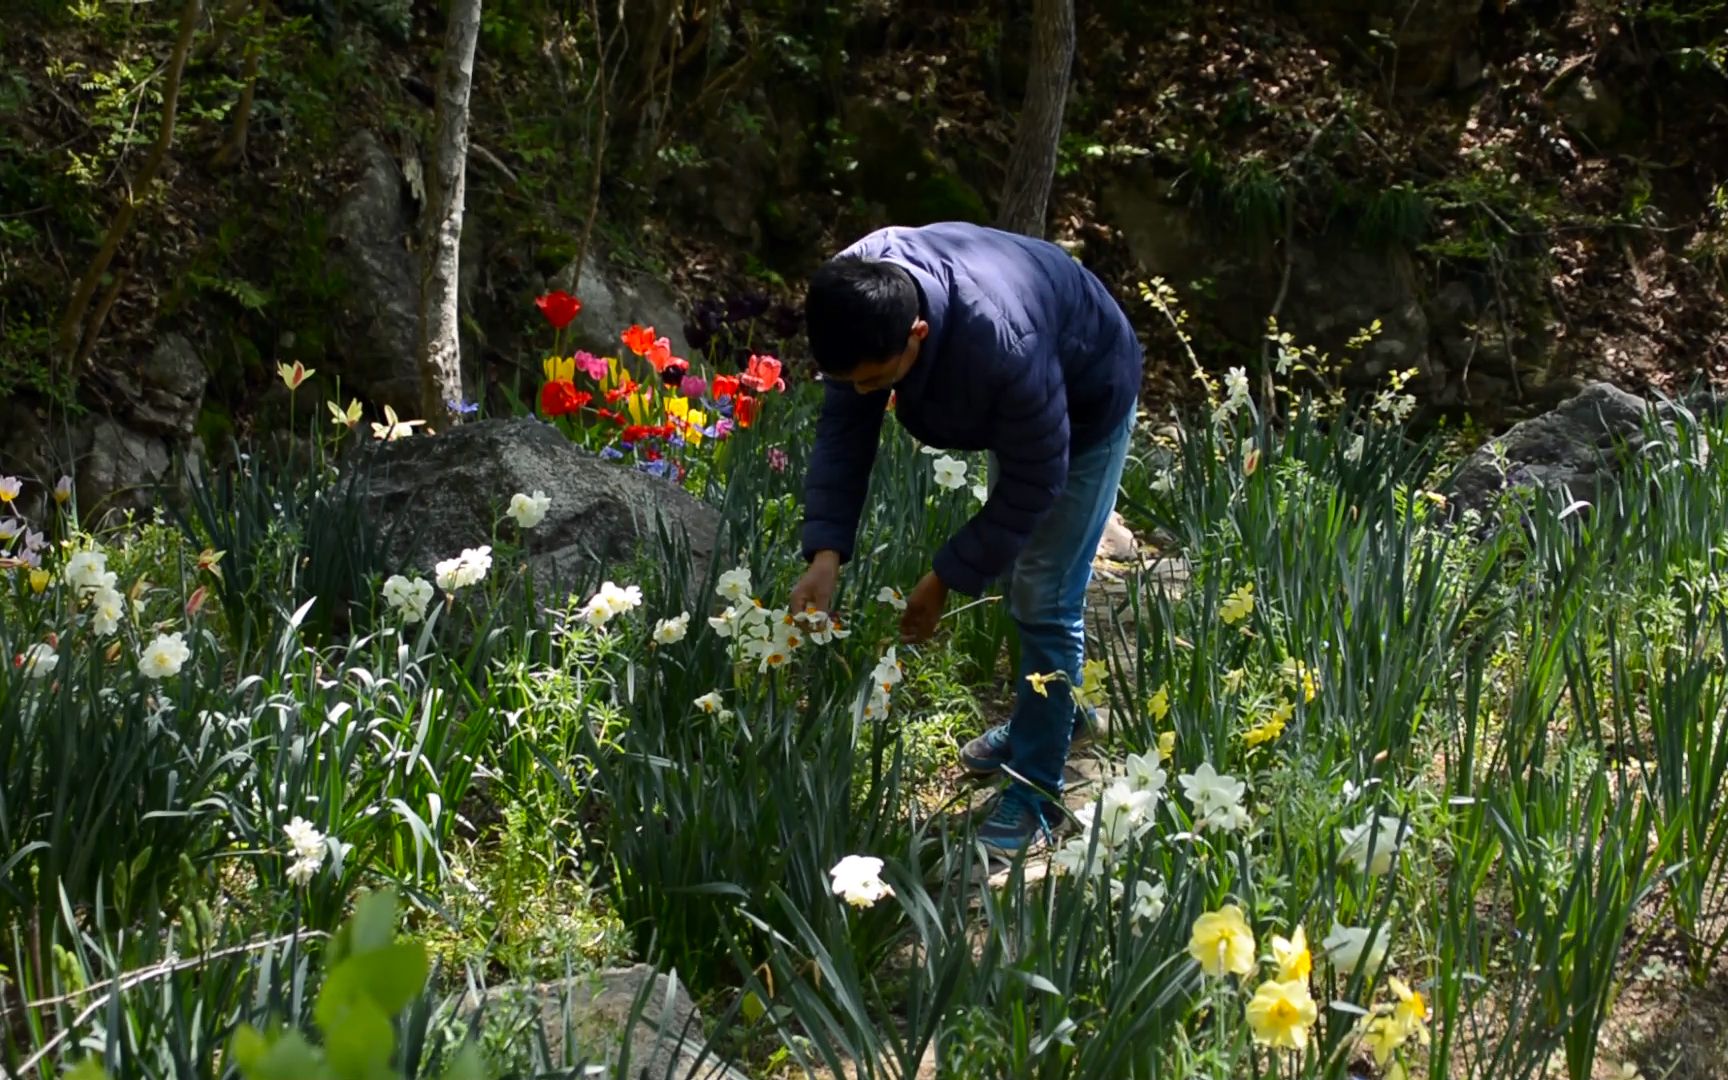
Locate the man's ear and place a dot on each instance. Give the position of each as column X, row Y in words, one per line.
column 920, row 329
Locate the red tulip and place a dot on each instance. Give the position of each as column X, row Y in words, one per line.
column 639, row 339
column 762, row 374
column 559, row 398
column 745, row 409
column 559, row 307
column 725, row 386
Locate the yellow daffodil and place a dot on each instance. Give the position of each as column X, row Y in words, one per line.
column 1270, row 728
column 1238, row 605
column 1280, row 1014
column 676, row 408
column 1041, row 683
column 1382, row 1036
column 1158, row 705
column 1292, row 956
column 559, row 368
column 39, row 580
column 1232, row 680
column 1167, row 745
column 1090, row 693
column 1299, row 674
column 1222, row 943
column 1411, row 1011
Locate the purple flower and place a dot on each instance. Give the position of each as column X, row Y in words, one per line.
column 655, row 468
column 611, row 453
column 722, row 427
column 693, row 386
column 777, row 459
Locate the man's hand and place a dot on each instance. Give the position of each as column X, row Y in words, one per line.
column 816, row 588
column 923, row 609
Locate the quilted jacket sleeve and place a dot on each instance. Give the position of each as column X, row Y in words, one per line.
column 847, row 434
column 1030, row 437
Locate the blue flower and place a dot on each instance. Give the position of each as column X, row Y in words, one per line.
column 463, row 408
column 611, row 453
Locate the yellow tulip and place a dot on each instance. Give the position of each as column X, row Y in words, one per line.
column 559, row 368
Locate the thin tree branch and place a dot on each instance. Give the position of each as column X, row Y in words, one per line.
column 72, row 330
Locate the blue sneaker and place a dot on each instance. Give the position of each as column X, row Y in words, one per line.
column 988, row 753
column 1016, row 823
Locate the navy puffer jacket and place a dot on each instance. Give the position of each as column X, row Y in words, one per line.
column 1028, row 356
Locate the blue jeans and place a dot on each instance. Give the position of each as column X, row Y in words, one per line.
column 1047, row 599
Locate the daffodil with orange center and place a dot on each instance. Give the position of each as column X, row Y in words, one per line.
column 1280, row 1014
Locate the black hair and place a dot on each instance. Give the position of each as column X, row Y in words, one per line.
column 858, row 311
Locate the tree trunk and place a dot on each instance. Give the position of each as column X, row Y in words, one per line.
column 440, row 292
column 1032, row 162
column 235, row 147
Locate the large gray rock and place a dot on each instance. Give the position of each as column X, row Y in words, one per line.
column 170, row 389
column 587, row 1019
column 434, row 495
column 1568, row 449
column 612, row 301
column 373, row 250
column 378, row 318
column 118, row 469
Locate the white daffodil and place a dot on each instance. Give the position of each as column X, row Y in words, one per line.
column 468, row 568
column 950, row 473
column 164, row 657
column 858, row 880
column 672, row 631
column 1371, row 845
column 38, row 661
column 529, row 510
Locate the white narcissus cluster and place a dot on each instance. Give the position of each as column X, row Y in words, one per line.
column 1217, row 799
column 768, row 636
column 883, row 679
column 408, row 597
column 86, row 573
column 306, row 849
column 529, row 510
column 1122, row 814
column 468, row 568
column 165, row 656
column 672, row 631
column 610, row 602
